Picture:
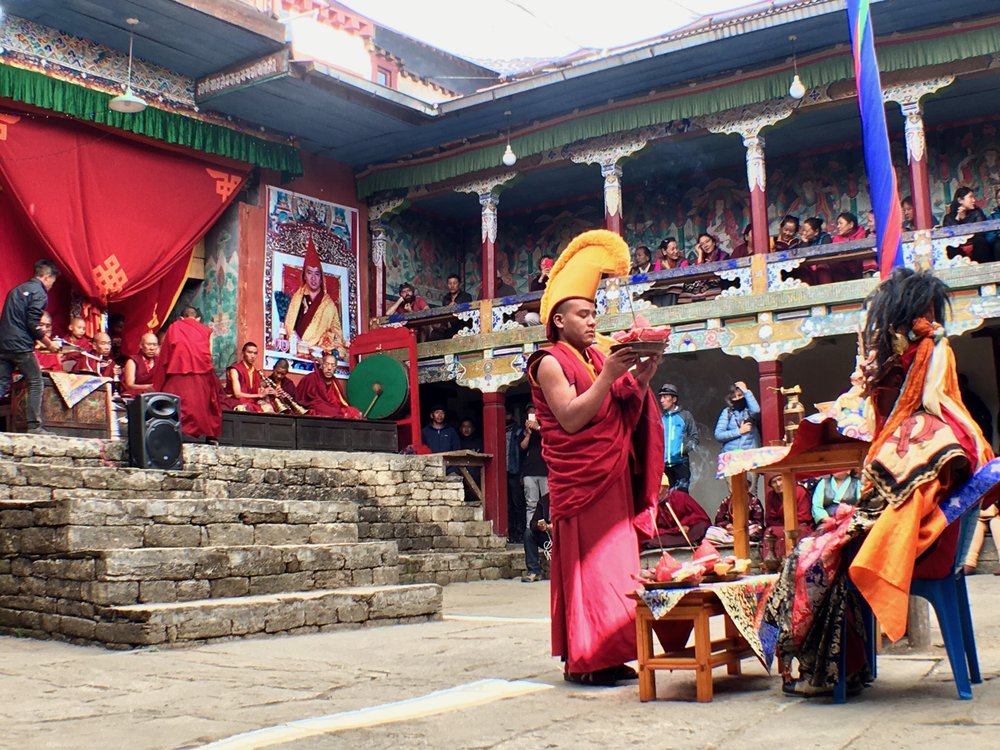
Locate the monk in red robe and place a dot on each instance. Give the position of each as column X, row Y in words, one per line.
column 601, row 439
column 319, row 393
column 100, row 361
column 185, row 369
column 285, row 391
column 243, row 387
column 47, row 361
column 313, row 319
column 774, row 516
column 692, row 518
column 77, row 341
column 137, row 374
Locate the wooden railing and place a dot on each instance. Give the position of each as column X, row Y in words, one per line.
column 759, row 274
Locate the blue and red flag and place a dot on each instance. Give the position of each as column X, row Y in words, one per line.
column 875, row 136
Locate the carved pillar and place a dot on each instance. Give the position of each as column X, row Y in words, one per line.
column 908, row 97
column 606, row 153
column 488, row 192
column 748, row 123
column 376, row 229
column 772, row 421
column 495, row 471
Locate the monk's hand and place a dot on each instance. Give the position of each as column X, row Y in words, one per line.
column 619, row 363
column 644, row 370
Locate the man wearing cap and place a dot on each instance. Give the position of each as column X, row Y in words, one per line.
column 680, row 437
column 602, row 442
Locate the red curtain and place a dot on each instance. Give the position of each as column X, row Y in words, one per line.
column 120, row 217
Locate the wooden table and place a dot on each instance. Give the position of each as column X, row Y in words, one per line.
column 825, row 459
column 463, row 460
column 698, row 607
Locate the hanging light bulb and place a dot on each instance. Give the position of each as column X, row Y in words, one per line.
column 128, row 102
column 797, row 90
column 509, row 157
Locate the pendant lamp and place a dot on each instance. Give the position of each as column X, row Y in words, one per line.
column 128, row 102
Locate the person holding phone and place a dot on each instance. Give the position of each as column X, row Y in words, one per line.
column 738, row 426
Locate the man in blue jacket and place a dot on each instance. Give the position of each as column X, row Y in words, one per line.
column 680, row 437
column 20, row 327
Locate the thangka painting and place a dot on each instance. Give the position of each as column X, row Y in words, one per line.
column 311, row 257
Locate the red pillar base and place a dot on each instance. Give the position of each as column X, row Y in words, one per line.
column 772, row 421
column 495, row 471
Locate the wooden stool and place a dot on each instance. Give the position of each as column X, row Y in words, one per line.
column 697, row 606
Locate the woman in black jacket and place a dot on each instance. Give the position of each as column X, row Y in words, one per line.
column 963, row 210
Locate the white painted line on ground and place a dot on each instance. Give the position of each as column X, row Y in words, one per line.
column 496, row 618
column 441, row 701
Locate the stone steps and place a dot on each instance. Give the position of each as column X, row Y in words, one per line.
column 213, row 619
column 169, row 574
column 460, row 566
column 83, row 524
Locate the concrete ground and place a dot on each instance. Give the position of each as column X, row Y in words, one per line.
column 503, row 691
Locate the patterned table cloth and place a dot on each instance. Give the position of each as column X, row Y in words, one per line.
column 741, row 599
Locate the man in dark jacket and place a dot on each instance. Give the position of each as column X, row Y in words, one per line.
column 20, row 328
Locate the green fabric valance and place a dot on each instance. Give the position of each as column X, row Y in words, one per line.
column 892, row 57
column 86, row 104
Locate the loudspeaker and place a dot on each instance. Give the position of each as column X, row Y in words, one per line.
column 154, row 431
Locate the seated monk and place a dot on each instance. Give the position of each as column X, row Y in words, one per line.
column 774, row 516
column 243, row 386
column 47, row 361
column 693, row 519
column 137, row 375
column 100, row 362
column 319, row 393
column 285, row 391
column 76, row 339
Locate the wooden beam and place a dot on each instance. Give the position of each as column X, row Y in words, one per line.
column 239, row 14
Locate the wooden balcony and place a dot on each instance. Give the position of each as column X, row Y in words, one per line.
column 763, row 309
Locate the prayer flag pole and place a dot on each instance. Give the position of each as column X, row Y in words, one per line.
column 875, row 137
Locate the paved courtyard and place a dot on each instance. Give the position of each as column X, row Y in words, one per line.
column 480, row 678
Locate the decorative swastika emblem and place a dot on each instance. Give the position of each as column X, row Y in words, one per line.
column 225, row 183
column 6, row 120
column 109, row 276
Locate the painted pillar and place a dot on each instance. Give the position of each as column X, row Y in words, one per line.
column 489, row 201
column 488, row 193
column 908, row 97
column 772, row 423
column 612, row 175
column 377, row 231
column 377, row 212
column 748, row 126
column 606, row 153
column 495, row 471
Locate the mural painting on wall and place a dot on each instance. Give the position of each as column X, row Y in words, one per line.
column 311, row 254
column 422, row 251
column 217, row 296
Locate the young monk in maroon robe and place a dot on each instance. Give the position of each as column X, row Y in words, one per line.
column 243, row 384
column 77, row 339
column 602, row 440
column 319, row 393
column 285, row 390
column 185, row 369
column 692, row 517
column 137, row 374
column 774, row 515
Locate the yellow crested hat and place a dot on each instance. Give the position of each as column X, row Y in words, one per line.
column 580, row 267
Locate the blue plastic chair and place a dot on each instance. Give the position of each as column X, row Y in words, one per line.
column 950, row 599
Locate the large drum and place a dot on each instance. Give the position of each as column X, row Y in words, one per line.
column 379, row 386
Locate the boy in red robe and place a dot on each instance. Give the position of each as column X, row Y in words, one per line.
column 243, row 384
column 77, row 339
column 601, row 439
column 319, row 393
column 100, row 361
column 186, row 370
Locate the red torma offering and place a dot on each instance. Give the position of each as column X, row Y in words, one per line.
column 642, row 331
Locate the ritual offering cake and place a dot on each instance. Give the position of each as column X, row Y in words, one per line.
column 642, row 337
column 708, row 566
